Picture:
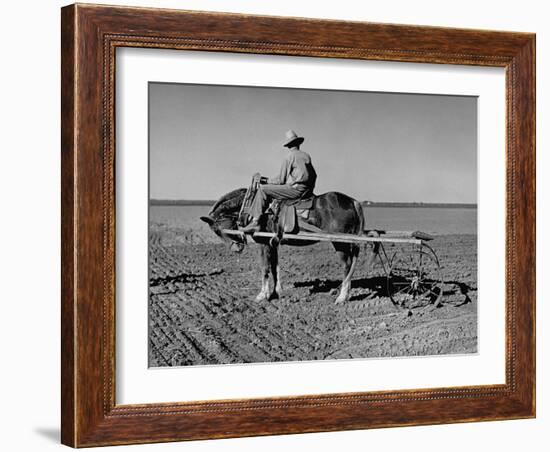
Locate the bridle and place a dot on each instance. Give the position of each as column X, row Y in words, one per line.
column 233, row 217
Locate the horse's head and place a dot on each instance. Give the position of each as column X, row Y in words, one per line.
column 224, row 215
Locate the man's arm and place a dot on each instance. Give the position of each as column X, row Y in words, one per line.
column 281, row 178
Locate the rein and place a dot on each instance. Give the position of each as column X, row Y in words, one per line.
column 247, row 202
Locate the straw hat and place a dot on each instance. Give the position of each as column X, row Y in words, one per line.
column 292, row 139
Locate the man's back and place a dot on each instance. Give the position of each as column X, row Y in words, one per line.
column 302, row 171
column 296, row 169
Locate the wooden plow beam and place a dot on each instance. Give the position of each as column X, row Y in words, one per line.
column 415, row 237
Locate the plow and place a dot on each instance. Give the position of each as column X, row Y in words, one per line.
column 411, row 266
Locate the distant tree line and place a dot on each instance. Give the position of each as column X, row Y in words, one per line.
column 448, row 205
column 209, row 202
column 181, row 202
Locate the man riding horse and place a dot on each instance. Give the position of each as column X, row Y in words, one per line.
column 296, row 180
column 331, row 212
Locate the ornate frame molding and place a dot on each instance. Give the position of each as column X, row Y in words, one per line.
column 90, row 37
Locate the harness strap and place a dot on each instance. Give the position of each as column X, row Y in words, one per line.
column 247, row 202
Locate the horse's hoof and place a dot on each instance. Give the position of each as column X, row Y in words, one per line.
column 261, row 297
column 341, row 300
column 273, row 296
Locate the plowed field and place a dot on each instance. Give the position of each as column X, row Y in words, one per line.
column 202, row 307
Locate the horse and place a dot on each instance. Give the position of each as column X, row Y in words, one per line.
column 332, row 212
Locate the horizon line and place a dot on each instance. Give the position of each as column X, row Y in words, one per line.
column 204, row 202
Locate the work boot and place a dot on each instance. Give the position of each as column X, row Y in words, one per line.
column 252, row 227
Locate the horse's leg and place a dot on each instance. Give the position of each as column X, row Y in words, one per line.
column 348, row 254
column 279, row 285
column 274, row 265
column 265, row 267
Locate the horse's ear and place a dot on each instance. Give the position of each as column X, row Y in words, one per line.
column 208, row 220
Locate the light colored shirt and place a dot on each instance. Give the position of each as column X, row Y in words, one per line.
column 296, row 169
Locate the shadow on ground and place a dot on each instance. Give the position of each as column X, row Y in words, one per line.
column 377, row 287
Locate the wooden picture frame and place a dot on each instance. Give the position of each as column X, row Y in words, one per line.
column 90, row 36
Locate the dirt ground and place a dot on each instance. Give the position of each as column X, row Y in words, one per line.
column 202, row 307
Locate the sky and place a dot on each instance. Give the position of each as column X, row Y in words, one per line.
column 206, row 140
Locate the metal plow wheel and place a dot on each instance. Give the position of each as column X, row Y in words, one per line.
column 414, row 279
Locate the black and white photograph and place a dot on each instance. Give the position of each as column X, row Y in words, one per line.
column 302, row 224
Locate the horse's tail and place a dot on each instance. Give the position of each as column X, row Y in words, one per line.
column 376, row 245
column 355, row 249
column 361, row 227
column 359, row 211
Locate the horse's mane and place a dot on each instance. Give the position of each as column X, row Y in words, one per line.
column 230, row 201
